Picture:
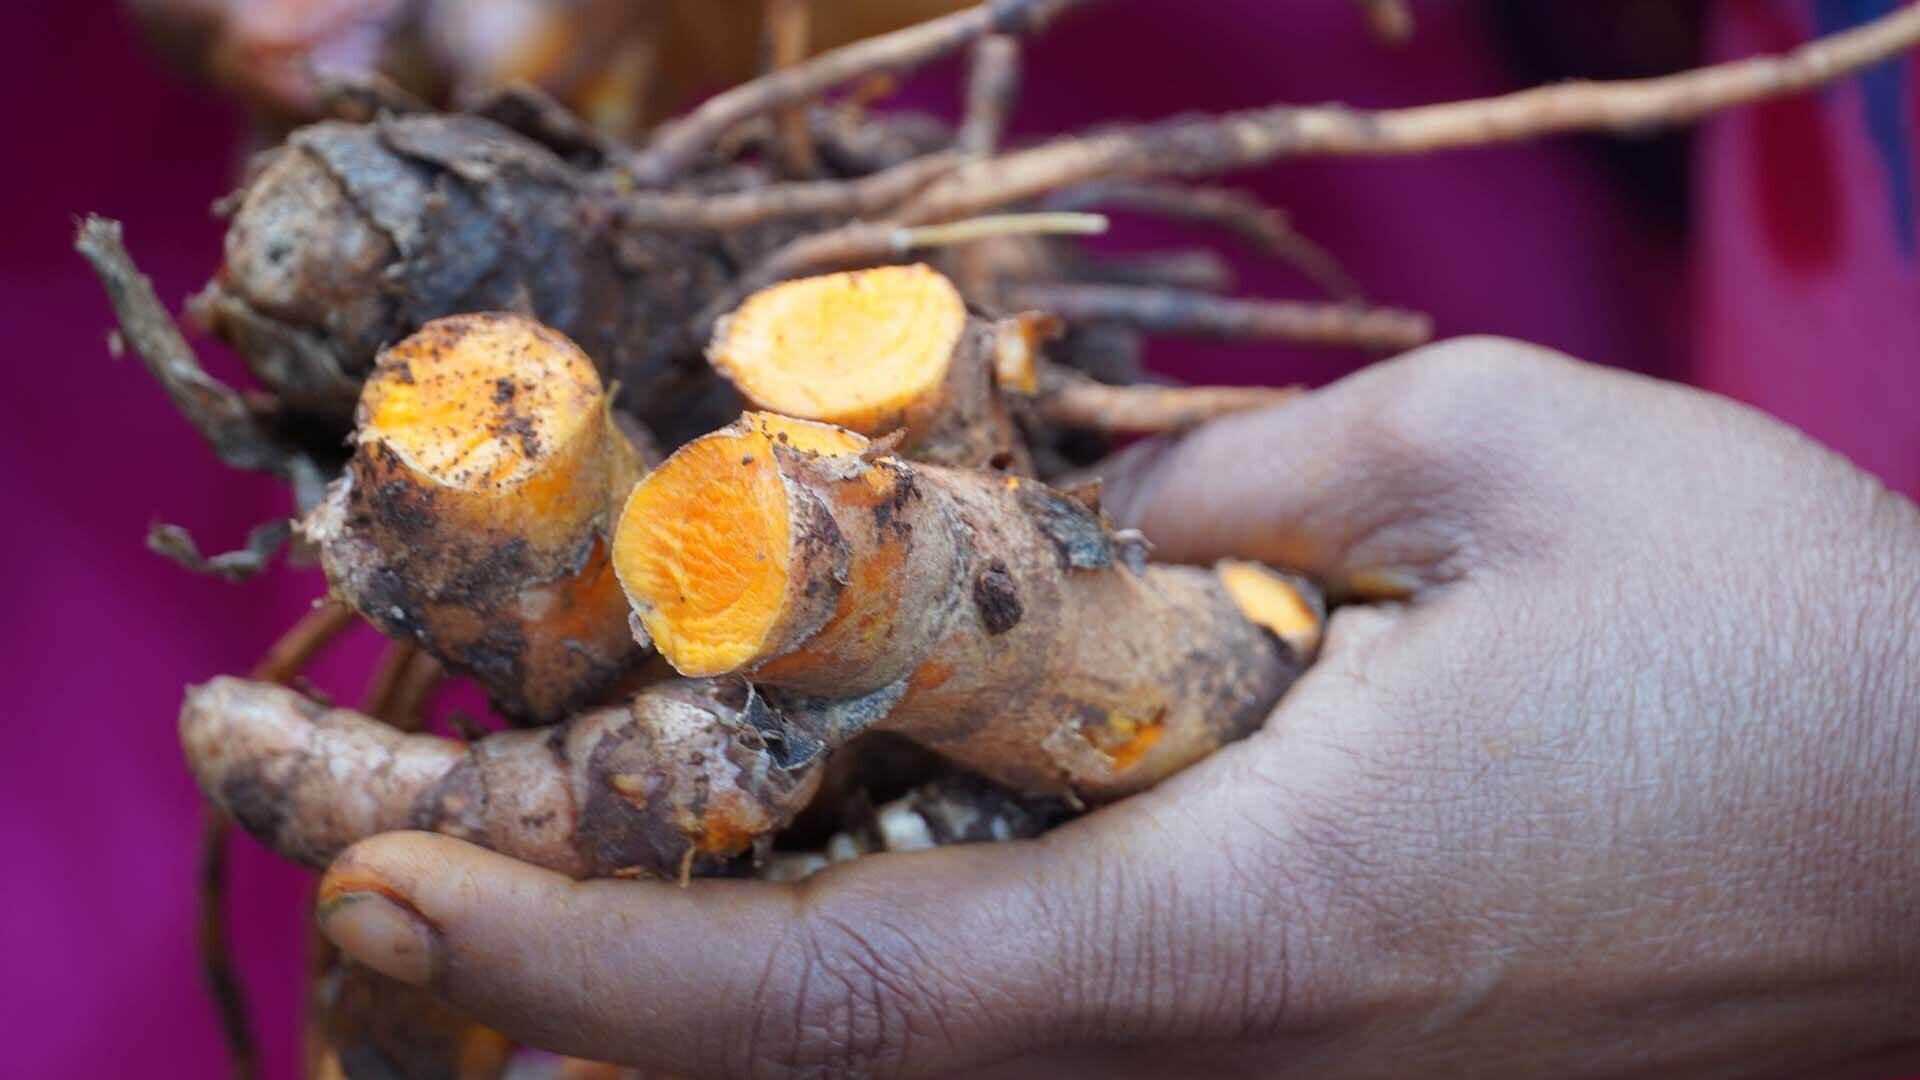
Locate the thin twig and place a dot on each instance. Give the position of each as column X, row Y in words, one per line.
column 1192, row 269
column 1207, row 146
column 988, row 226
column 679, row 143
column 993, row 83
column 1171, row 311
column 1390, row 20
column 1265, row 228
column 1071, row 399
column 788, row 26
column 869, row 243
column 223, row 418
column 290, row 655
column 286, row 658
column 216, row 955
column 869, row 196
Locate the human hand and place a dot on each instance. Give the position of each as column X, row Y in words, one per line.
column 1617, row 771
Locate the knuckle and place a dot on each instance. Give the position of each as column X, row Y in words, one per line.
column 1460, row 397
column 841, row 996
column 1472, row 431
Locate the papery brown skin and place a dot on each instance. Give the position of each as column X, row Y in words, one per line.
column 351, row 236
column 681, row 780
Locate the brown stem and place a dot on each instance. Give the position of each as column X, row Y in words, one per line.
column 286, row 658
column 788, row 26
column 1210, row 145
column 386, row 678
column 1265, row 228
column 410, row 693
column 1171, row 311
column 1071, row 399
column 868, row 196
column 298, row 646
column 992, row 84
column 679, row 143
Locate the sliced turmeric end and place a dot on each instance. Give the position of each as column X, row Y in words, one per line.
column 1016, row 350
column 1128, row 740
column 703, row 548
column 1269, row 599
column 481, row 403
column 855, row 349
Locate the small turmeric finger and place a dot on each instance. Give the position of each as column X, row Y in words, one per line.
column 994, row 620
column 473, row 519
column 690, row 775
column 874, row 351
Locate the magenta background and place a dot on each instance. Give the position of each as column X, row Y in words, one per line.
column 99, row 817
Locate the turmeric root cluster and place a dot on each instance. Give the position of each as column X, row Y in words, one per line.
column 809, row 581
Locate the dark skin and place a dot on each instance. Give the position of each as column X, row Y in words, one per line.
column 1616, row 771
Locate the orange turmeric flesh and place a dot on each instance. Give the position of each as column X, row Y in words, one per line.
column 480, row 404
column 859, row 349
column 1271, row 599
column 704, row 545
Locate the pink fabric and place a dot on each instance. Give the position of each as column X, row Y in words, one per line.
column 1806, row 269
column 100, row 822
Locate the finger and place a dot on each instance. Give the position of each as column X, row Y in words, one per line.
column 1116, row 926
column 1397, row 478
column 882, row 966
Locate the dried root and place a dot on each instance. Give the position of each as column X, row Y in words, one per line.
column 239, row 436
column 993, row 620
column 1169, row 311
column 992, row 84
column 685, row 779
column 677, row 145
column 1069, row 399
column 1207, row 146
column 473, row 519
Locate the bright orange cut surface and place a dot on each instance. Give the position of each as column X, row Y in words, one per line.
column 852, row 349
column 704, row 545
column 1268, row 599
column 480, row 402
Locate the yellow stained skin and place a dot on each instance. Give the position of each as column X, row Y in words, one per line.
column 704, row 545
column 855, row 349
column 1268, row 599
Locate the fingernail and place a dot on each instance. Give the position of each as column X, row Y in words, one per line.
column 387, row 937
column 1383, row 583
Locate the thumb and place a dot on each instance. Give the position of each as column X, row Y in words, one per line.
column 1395, row 479
column 877, row 966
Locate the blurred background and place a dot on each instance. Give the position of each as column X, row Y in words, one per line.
column 1771, row 255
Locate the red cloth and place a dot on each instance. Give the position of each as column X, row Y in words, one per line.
column 1818, row 322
